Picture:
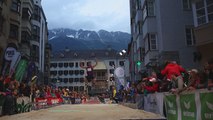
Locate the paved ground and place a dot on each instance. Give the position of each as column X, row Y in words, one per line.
column 84, row 112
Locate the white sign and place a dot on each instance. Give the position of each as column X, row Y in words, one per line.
column 119, row 72
column 9, row 53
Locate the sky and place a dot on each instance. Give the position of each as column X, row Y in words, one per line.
column 110, row 15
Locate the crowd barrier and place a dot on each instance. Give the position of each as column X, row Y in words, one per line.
column 46, row 102
column 196, row 105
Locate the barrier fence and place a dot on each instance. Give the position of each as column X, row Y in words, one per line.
column 24, row 104
column 197, row 105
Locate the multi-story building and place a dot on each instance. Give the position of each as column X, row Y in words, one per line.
column 203, row 23
column 10, row 22
column 161, row 30
column 39, row 38
column 66, row 71
column 23, row 23
column 26, row 27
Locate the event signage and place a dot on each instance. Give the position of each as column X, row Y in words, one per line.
column 119, row 72
column 206, row 106
column 10, row 52
column 188, row 107
column 171, row 107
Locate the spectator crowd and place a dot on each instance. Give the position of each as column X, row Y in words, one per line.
column 10, row 90
column 172, row 77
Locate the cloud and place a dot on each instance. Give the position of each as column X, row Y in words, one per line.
column 111, row 15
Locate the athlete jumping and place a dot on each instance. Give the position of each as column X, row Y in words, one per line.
column 89, row 71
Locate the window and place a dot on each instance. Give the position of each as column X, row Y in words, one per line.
column 140, row 30
column 81, row 72
column 190, row 39
column 71, row 72
column 150, row 8
column 51, row 72
column 76, row 72
column 71, row 80
column 60, row 65
column 14, row 31
column 65, row 65
column 111, row 71
column 76, row 88
column 187, row 4
column 53, row 65
column 200, row 10
column 81, row 88
column 81, row 80
column 16, row 5
column 121, row 63
column 60, row 72
column 76, row 80
column 144, row 13
column 76, row 64
column 71, row 64
column 37, row 13
column 66, row 72
column 210, row 9
column 65, row 80
column 138, row 4
column 36, row 33
column 26, row 13
column 111, row 63
column 25, row 37
column 153, row 41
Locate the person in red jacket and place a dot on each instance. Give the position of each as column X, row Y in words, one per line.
column 152, row 83
column 173, row 73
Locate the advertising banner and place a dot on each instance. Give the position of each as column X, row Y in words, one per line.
column 150, row 103
column 171, row 107
column 23, row 104
column 2, row 98
column 206, row 106
column 188, row 107
column 20, row 70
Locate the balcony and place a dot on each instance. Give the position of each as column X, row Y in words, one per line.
column 27, row 4
column 203, row 34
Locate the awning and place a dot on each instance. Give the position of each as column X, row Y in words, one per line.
column 100, row 66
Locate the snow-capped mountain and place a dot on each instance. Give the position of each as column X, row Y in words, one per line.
column 84, row 39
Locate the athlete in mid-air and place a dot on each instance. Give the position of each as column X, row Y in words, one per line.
column 89, row 71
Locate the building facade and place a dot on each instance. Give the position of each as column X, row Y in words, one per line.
column 23, row 23
column 203, row 23
column 161, row 30
column 66, row 72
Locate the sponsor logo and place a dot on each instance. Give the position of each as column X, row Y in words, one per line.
column 170, row 104
column 189, row 114
column 187, row 105
column 209, row 115
column 210, row 106
column 9, row 53
column 171, row 107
